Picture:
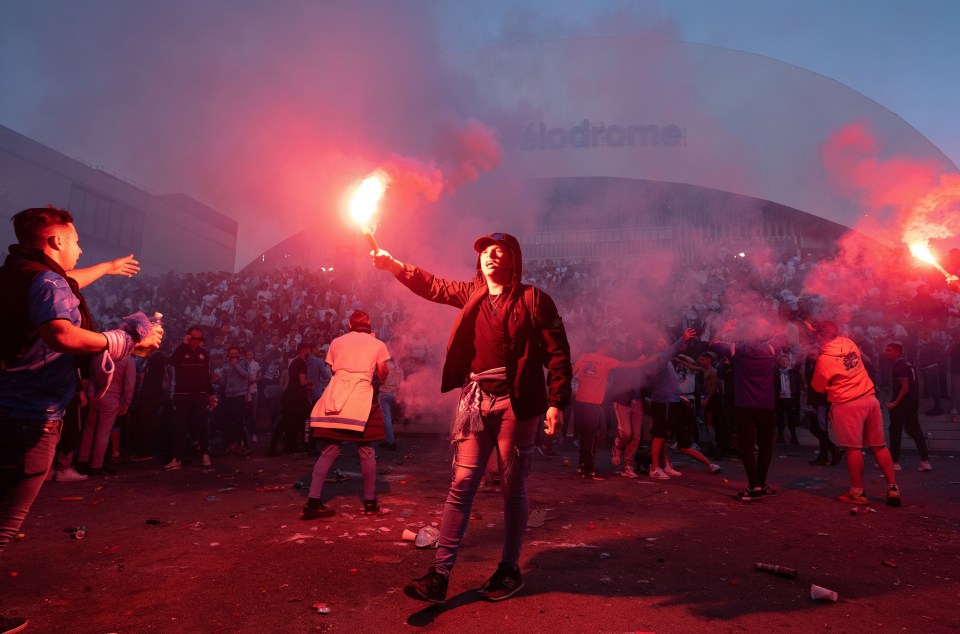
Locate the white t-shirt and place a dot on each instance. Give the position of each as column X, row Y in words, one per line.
column 357, row 352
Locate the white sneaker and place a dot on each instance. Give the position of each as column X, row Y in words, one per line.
column 69, row 475
column 206, row 460
column 715, row 468
column 658, row 474
column 924, row 466
column 897, row 467
column 173, row 465
column 628, row 472
column 670, row 471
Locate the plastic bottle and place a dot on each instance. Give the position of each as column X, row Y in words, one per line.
column 780, row 571
column 428, row 537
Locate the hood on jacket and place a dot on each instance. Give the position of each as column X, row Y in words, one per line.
column 509, row 244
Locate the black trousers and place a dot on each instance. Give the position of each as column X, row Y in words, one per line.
column 755, row 426
column 292, row 426
column 190, row 420
column 906, row 418
column 818, row 427
column 588, row 418
column 788, row 414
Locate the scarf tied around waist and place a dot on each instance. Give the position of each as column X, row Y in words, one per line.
column 468, row 418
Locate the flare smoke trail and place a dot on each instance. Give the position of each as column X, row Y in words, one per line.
column 905, row 201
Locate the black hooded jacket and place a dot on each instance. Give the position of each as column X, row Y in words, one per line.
column 534, row 339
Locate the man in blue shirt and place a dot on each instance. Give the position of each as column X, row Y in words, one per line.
column 47, row 336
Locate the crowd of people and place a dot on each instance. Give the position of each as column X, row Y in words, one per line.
column 254, row 325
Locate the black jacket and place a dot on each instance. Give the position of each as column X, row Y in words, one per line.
column 535, row 338
column 192, row 370
column 796, row 385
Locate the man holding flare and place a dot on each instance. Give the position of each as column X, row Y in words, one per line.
column 505, row 335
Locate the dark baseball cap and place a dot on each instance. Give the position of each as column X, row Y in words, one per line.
column 505, row 240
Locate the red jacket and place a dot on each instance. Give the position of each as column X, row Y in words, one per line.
column 533, row 342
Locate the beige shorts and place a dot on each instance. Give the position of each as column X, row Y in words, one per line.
column 858, row 423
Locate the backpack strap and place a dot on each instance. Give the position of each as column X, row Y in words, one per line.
column 530, row 301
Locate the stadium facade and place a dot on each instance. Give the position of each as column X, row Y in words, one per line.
column 637, row 144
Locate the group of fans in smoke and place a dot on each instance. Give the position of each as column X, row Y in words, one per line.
column 268, row 320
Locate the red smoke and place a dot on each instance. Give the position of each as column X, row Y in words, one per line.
column 905, row 200
column 462, row 150
column 852, row 157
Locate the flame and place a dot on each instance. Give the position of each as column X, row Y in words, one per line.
column 368, row 194
column 921, row 251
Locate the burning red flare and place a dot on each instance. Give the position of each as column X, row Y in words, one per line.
column 921, row 251
column 364, row 203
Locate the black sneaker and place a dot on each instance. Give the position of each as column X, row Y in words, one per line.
column 749, row 495
column 11, row 625
column 768, row 492
column 430, row 587
column 837, row 453
column 315, row 510
column 371, row 507
column 505, row 582
column 893, row 495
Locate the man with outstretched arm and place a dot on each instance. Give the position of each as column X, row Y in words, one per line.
column 48, row 337
column 505, row 335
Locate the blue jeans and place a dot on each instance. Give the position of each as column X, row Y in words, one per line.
column 388, row 402
column 27, row 448
column 513, row 441
column 329, row 453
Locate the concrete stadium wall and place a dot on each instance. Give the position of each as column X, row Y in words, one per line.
column 113, row 217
